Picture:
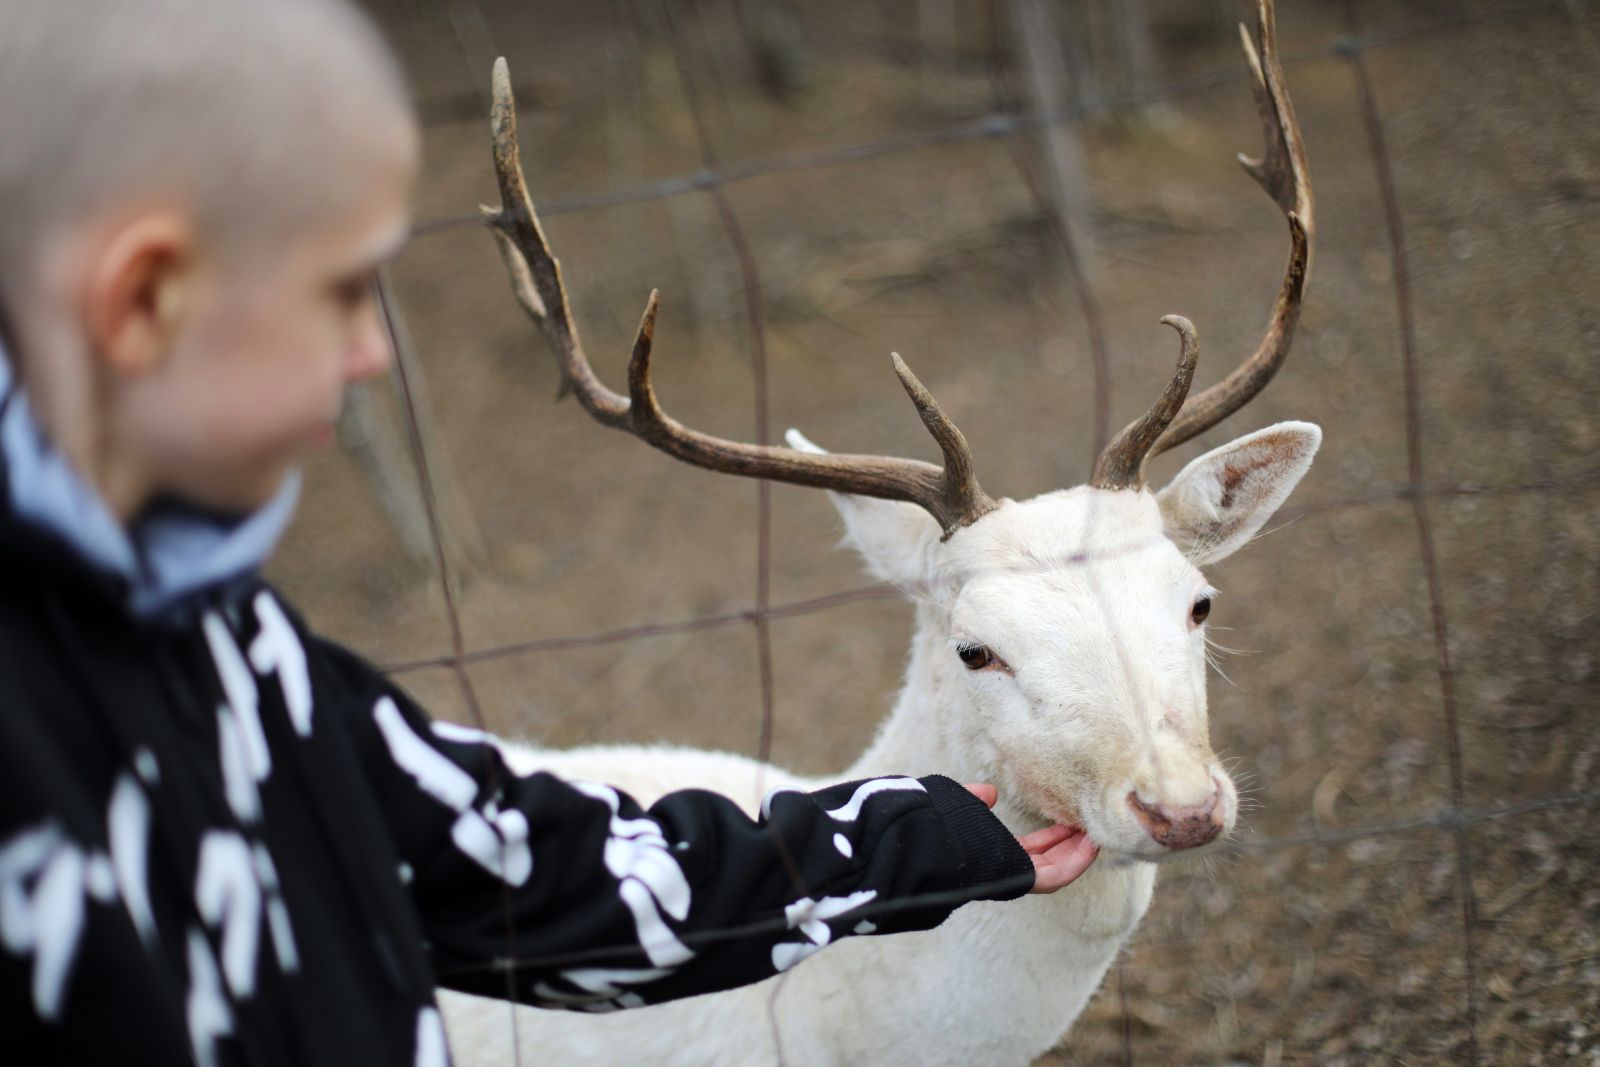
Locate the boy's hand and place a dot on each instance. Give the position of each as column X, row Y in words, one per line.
column 1060, row 853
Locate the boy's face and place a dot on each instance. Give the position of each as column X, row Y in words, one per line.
column 264, row 348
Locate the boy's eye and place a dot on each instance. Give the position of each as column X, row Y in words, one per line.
column 351, row 293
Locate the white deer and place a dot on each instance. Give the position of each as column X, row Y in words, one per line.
column 1059, row 653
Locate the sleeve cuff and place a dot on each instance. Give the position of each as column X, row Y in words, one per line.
column 993, row 863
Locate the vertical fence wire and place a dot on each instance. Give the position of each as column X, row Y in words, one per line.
column 458, row 647
column 1042, row 116
column 1400, row 271
column 750, row 285
column 477, row 47
column 1052, row 201
column 750, row 288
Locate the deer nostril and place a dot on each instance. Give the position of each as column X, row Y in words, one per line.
column 1180, row 828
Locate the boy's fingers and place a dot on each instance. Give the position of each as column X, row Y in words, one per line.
column 1050, row 836
column 1060, row 865
column 984, row 792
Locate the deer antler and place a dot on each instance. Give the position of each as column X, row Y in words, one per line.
column 950, row 493
column 1283, row 173
column 1121, row 465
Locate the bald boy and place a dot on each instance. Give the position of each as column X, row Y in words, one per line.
column 224, row 839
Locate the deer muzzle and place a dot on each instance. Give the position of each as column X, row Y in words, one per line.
column 1180, row 828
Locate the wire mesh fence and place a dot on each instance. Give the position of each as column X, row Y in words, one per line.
column 1253, row 995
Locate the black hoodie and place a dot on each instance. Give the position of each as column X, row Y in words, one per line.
column 225, row 839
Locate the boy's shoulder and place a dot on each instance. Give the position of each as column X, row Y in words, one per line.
column 89, row 690
column 47, row 644
column 77, row 663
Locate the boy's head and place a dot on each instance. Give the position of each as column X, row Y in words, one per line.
column 193, row 197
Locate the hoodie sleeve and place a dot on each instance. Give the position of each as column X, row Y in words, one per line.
column 599, row 903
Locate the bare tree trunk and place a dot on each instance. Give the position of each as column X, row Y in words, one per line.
column 377, row 437
column 373, row 437
column 936, row 33
column 476, row 41
column 1135, row 53
column 777, row 41
column 1055, row 95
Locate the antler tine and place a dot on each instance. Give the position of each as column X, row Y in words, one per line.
column 962, row 494
column 1121, row 465
column 1283, row 173
column 535, row 271
column 950, row 494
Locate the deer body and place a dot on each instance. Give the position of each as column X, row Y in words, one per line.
column 1059, row 654
column 1067, row 732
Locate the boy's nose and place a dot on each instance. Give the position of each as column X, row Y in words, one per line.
column 370, row 351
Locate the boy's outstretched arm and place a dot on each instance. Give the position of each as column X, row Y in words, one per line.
column 1059, row 853
column 602, row 904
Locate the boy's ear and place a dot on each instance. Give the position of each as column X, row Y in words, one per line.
column 1217, row 503
column 135, row 291
column 896, row 539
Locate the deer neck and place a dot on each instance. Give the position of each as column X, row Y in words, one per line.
column 1062, row 942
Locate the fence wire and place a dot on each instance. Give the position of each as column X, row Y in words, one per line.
column 1419, row 504
column 1010, row 121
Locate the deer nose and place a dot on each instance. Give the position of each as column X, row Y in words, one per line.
column 1180, row 828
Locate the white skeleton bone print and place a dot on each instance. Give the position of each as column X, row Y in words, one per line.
column 47, row 879
column 44, row 876
column 236, row 883
column 496, row 840
column 649, row 881
column 811, row 917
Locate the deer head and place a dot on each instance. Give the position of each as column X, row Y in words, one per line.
column 1070, row 627
column 1073, row 637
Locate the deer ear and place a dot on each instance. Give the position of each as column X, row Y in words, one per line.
column 1217, row 503
column 896, row 539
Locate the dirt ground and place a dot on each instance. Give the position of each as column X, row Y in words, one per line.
column 1349, row 951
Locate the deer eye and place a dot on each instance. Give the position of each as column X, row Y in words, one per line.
column 976, row 657
column 979, row 658
column 1202, row 608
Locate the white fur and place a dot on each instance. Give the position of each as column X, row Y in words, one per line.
column 1086, row 596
